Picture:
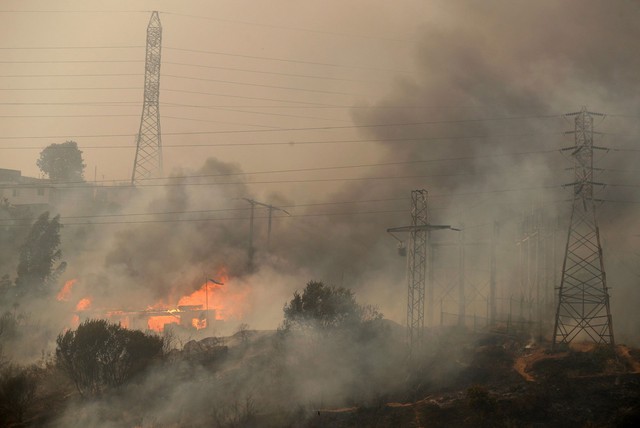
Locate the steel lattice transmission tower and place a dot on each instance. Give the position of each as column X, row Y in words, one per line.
column 583, row 298
column 148, row 161
column 417, row 266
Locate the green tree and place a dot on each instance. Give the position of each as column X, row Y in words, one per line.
column 62, row 162
column 326, row 307
column 39, row 254
column 100, row 355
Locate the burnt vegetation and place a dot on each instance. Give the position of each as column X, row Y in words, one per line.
column 333, row 362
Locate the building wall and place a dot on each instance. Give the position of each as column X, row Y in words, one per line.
column 21, row 194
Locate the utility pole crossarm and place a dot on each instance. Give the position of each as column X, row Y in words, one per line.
column 269, row 206
column 421, row 228
column 419, row 233
column 271, row 209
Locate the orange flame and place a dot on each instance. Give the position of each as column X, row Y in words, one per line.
column 199, row 323
column 65, row 291
column 226, row 303
column 157, row 323
column 124, row 322
column 83, row 304
column 214, row 299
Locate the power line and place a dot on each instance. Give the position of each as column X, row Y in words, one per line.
column 620, row 201
column 96, row 103
column 221, row 209
column 75, row 88
column 622, row 185
column 294, row 61
column 309, row 106
column 74, row 61
column 460, row 158
column 307, row 30
column 302, row 143
column 75, row 11
column 260, row 112
column 202, row 51
column 73, row 75
column 291, row 216
column 66, row 47
column 125, row 115
column 289, row 181
column 245, row 70
column 319, row 128
column 182, row 105
column 68, row 115
column 289, row 88
column 307, row 103
column 215, row 121
column 292, row 170
column 199, row 220
column 258, row 24
column 275, row 73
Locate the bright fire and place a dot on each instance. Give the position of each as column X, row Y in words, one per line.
column 65, row 291
column 83, row 304
column 213, row 296
column 214, row 300
column 226, row 303
column 199, row 323
column 157, row 323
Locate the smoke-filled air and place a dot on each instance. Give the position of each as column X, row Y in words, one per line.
column 319, row 214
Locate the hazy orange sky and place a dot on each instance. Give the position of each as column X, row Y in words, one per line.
column 326, row 57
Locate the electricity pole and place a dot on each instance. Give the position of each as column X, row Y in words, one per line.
column 493, row 275
column 416, row 271
column 583, row 296
column 271, row 208
column 148, row 160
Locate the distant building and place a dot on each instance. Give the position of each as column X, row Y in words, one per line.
column 37, row 195
column 16, row 190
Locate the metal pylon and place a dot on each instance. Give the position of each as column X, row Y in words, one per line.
column 417, row 266
column 583, row 299
column 148, row 161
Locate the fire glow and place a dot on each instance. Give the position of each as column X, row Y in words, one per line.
column 83, row 304
column 213, row 301
column 157, row 323
column 65, row 291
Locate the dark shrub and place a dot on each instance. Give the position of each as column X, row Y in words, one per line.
column 99, row 355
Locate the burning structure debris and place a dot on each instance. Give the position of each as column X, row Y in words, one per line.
column 205, row 309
